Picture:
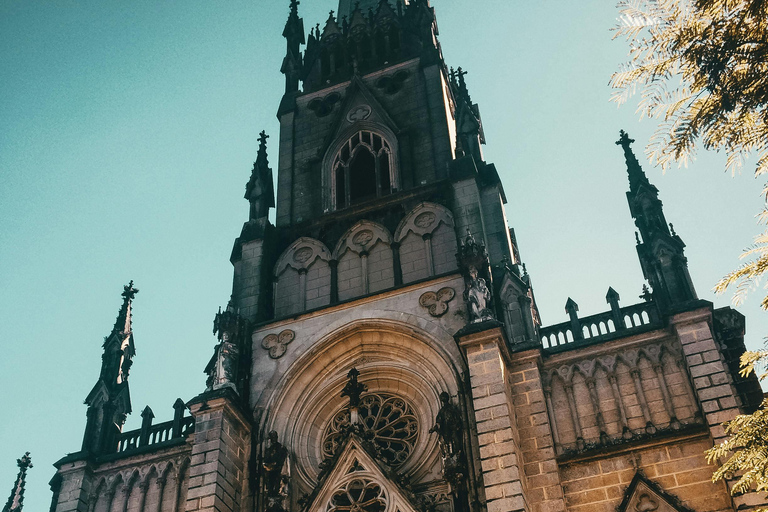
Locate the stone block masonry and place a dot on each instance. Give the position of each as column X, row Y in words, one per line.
column 219, row 462
column 498, row 435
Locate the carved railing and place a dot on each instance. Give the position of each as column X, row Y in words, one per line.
column 178, row 428
column 600, row 327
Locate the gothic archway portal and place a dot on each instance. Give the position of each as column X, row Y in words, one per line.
column 404, row 369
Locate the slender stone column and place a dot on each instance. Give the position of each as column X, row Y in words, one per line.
column 334, row 264
column 643, row 402
column 574, row 414
column 364, row 271
column 160, row 482
column 626, row 432
column 668, row 405
column 396, row 263
column 302, row 290
column 596, row 405
column 497, row 431
column 428, row 249
column 143, row 487
column 551, row 414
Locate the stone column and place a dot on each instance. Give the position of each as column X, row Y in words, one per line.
column 536, row 427
column 75, row 486
column 219, row 462
column 712, row 382
column 497, row 432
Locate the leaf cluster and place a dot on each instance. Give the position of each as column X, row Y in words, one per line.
column 746, row 450
column 701, row 67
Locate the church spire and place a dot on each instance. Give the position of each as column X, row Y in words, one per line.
column 16, row 499
column 637, row 176
column 120, row 340
column 661, row 250
column 109, row 402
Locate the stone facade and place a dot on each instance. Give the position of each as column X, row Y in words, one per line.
column 382, row 350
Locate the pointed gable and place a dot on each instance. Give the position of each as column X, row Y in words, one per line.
column 644, row 495
column 357, row 480
column 360, row 107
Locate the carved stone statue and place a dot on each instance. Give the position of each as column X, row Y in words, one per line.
column 448, row 426
column 274, row 459
column 231, row 331
column 478, row 297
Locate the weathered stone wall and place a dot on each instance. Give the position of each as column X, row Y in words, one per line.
column 418, row 111
column 218, row 468
column 149, row 482
column 678, row 466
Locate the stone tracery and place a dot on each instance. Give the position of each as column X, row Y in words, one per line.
column 390, row 420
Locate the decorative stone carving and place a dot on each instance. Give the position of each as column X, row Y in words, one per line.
column 449, row 428
column 475, row 266
column 478, row 297
column 232, row 332
column 302, row 255
column 353, row 388
column 388, row 420
column 425, row 220
column 274, row 482
column 359, row 495
column 436, row 303
column 277, row 344
column 359, row 113
column 363, row 238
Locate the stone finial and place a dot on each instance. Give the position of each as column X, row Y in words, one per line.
column 572, row 309
column 259, row 190
column 353, row 389
column 635, row 171
column 16, row 500
column 612, row 298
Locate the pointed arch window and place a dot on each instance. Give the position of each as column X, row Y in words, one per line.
column 362, row 169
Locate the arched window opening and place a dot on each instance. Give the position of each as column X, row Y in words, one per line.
column 341, row 194
column 362, row 170
column 362, row 176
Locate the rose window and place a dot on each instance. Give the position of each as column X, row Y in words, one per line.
column 389, row 420
column 358, row 496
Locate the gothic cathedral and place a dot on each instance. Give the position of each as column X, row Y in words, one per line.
column 382, row 349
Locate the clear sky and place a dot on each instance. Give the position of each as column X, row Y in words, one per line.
column 127, row 134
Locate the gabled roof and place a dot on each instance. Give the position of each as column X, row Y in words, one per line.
column 358, row 95
column 356, row 462
column 644, row 494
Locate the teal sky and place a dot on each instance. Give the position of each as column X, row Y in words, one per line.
column 127, row 134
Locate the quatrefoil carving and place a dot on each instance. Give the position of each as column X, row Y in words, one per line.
column 277, row 344
column 436, row 303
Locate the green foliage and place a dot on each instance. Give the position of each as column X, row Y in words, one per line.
column 746, row 450
column 701, row 68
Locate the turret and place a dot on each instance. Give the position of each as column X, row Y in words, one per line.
column 16, row 499
column 469, row 126
column 109, row 402
column 259, row 190
column 659, row 248
column 294, row 36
